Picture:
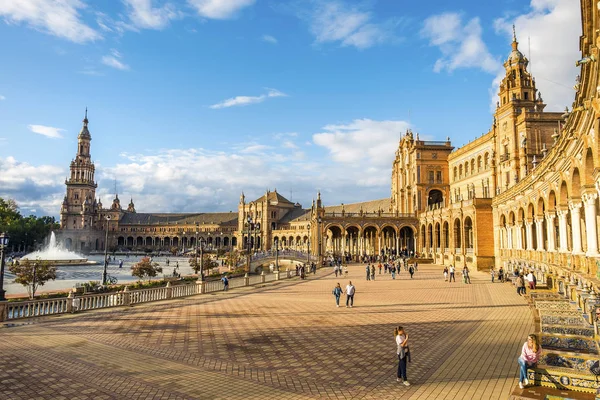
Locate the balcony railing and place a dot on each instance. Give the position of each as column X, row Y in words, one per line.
column 368, row 215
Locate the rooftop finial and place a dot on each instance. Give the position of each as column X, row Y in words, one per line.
column 85, row 120
column 514, row 33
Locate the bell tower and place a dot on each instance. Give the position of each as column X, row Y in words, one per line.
column 77, row 211
column 518, row 102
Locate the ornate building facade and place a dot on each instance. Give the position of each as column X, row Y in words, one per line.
column 527, row 190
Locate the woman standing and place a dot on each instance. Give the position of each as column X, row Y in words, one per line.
column 337, row 292
column 445, row 274
column 530, row 355
column 403, row 354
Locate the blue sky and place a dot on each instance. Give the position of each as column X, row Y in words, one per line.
column 192, row 101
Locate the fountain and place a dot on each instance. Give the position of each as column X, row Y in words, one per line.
column 55, row 254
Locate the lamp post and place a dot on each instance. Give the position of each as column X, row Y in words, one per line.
column 249, row 232
column 3, row 245
column 201, row 278
column 308, row 246
column 319, row 253
column 104, row 272
column 276, row 255
column 33, row 281
column 201, row 259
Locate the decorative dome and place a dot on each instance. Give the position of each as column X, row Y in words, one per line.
column 515, row 56
column 85, row 133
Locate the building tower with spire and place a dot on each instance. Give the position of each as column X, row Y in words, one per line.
column 523, row 130
column 79, row 205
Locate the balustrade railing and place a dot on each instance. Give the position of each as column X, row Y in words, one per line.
column 43, row 307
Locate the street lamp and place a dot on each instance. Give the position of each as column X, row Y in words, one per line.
column 3, row 245
column 104, row 273
column 319, row 254
column 201, row 278
column 249, row 232
column 202, row 259
column 308, row 246
column 277, row 255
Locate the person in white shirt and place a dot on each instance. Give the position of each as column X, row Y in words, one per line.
column 350, row 290
column 452, row 271
column 531, row 280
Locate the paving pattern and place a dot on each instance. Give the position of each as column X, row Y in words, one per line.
column 283, row 340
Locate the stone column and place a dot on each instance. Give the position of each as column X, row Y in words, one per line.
column 509, row 243
column 539, row 224
column 589, row 199
column 529, row 234
column 343, row 244
column 550, row 231
column 576, row 226
column 562, row 230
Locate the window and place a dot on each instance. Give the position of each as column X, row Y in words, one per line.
column 526, row 96
column 438, row 176
column 430, row 177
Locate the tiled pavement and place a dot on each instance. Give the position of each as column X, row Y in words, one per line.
column 285, row 340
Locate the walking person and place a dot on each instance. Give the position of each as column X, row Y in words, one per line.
column 501, row 275
column 336, row 269
column 380, row 266
column 492, row 273
column 466, row 276
column 337, row 292
column 225, row 283
column 520, row 285
column 350, row 290
column 452, row 271
column 530, row 355
column 393, row 271
column 373, row 272
column 531, row 280
column 445, row 274
column 416, row 266
column 411, row 271
column 403, row 354
column 368, row 269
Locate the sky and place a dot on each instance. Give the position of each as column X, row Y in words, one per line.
column 191, row 102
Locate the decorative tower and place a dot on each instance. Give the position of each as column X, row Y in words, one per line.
column 77, row 211
column 131, row 206
column 522, row 127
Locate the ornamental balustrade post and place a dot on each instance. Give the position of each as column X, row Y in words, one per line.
column 126, row 296
column 70, row 302
column 276, row 275
column 200, row 287
column 262, row 277
column 169, row 291
column 246, row 280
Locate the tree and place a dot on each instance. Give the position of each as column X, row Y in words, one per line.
column 33, row 274
column 233, row 258
column 208, row 263
column 145, row 269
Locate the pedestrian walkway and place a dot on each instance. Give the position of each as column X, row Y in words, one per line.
column 282, row 340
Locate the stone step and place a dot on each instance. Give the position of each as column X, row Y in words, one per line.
column 563, row 378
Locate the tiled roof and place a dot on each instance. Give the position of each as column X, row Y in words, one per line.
column 297, row 214
column 230, row 218
column 274, row 197
column 367, row 206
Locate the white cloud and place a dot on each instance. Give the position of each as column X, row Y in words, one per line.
column 363, row 141
column 554, row 28
column 56, row 17
column 246, row 100
column 144, row 15
column 269, row 39
column 461, row 44
column 47, row 131
column 114, row 60
column 34, row 188
column 2, row 97
column 219, row 9
column 335, row 22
